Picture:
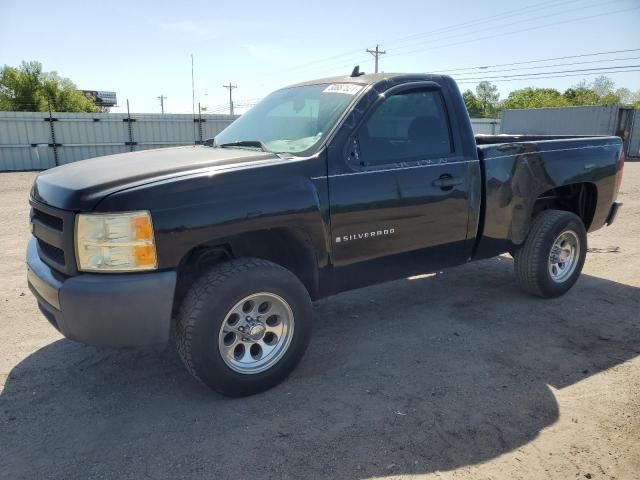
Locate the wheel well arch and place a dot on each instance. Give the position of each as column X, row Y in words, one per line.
column 578, row 198
column 288, row 247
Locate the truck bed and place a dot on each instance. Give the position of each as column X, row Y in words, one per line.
column 519, row 170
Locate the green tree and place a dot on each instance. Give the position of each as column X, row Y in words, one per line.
column 535, row 98
column 601, row 91
column 602, row 86
column 625, row 95
column 29, row 88
column 488, row 96
column 581, row 95
column 610, row 99
column 473, row 105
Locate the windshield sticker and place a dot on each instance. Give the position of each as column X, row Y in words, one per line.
column 348, row 88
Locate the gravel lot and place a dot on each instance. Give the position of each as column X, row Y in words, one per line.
column 456, row 375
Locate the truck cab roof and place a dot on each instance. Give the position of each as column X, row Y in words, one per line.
column 375, row 78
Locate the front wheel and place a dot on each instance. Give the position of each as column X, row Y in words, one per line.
column 244, row 326
column 551, row 258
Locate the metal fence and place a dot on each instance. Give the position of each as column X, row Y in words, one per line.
column 37, row 141
column 590, row 120
column 486, row 126
column 634, row 137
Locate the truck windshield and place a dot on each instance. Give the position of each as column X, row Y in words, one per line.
column 292, row 120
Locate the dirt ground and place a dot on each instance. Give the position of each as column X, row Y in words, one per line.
column 456, row 375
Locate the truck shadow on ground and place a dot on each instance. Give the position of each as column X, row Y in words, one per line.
column 408, row 377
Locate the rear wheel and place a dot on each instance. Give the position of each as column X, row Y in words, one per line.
column 244, row 326
column 551, row 258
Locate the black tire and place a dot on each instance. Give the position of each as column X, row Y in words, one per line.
column 204, row 310
column 531, row 260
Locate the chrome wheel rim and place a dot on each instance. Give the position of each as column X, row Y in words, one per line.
column 256, row 333
column 564, row 256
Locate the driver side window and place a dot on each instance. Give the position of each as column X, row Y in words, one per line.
column 408, row 126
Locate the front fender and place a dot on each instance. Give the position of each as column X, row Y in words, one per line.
column 197, row 209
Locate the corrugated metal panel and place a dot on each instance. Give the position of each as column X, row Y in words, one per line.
column 485, row 126
column 89, row 135
column 634, row 137
column 86, row 135
column 215, row 124
column 25, row 137
column 589, row 120
column 24, row 140
column 174, row 129
column 26, row 158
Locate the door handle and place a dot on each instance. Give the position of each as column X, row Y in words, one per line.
column 447, row 181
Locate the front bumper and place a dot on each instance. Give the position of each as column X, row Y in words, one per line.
column 109, row 310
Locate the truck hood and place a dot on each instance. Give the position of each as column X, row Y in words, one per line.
column 81, row 185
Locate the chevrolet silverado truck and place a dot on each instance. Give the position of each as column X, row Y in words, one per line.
column 322, row 187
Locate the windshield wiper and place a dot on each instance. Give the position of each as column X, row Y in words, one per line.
column 245, row 143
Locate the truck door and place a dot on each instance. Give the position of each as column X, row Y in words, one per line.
column 399, row 194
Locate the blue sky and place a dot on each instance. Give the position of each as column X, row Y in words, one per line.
column 142, row 49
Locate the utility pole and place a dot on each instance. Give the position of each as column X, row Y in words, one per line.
column 230, row 87
column 376, row 53
column 200, row 122
column 162, row 98
column 193, row 100
column 193, row 91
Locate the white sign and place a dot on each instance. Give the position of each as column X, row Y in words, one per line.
column 348, row 88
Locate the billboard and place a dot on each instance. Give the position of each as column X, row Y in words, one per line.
column 101, row 98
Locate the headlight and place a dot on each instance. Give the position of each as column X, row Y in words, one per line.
column 115, row 242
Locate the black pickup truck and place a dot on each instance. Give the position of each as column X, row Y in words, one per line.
column 322, row 187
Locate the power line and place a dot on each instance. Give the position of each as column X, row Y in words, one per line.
column 540, row 60
column 519, row 31
column 507, row 78
column 524, row 30
column 514, row 77
column 473, row 23
column 503, row 79
column 546, row 66
column 533, row 75
column 475, row 30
